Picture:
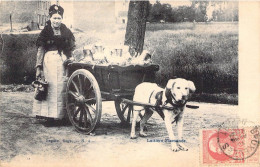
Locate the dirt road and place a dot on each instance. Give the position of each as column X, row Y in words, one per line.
column 30, row 142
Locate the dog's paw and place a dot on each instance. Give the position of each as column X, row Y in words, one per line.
column 175, row 147
column 133, row 137
column 182, row 147
column 143, row 134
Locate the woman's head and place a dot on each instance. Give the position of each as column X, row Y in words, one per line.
column 56, row 20
column 56, row 15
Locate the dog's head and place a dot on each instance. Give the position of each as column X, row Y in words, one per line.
column 180, row 89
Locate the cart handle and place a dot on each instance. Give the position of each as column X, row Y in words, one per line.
column 151, row 105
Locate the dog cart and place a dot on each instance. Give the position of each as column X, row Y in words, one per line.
column 88, row 85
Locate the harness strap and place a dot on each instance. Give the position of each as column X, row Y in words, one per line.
column 158, row 98
column 150, row 97
column 170, row 99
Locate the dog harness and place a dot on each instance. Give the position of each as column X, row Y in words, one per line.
column 169, row 99
column 158, row 98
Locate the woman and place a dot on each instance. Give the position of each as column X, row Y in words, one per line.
column 55, row 45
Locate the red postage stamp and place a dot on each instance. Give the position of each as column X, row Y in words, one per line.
column 230, row 146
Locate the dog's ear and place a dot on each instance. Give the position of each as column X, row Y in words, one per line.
column 168, row 88
column 170, row 83
column 191, row 86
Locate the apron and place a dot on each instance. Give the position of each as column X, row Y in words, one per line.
column 54, row 72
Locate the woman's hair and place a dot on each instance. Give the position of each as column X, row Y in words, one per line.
column 54, row 9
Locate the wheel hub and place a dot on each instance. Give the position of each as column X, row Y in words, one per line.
column 80, row 99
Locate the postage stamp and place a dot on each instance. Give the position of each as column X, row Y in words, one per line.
column 230, row 145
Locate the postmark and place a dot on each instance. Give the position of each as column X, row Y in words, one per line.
column 232, row 143
column 239, row 143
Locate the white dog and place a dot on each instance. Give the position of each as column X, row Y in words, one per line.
column 175, row 95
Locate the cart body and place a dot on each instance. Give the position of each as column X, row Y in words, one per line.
column 117, row 81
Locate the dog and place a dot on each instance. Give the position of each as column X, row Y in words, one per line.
column 175, row 95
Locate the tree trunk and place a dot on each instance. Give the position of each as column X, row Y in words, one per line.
column 136, row 24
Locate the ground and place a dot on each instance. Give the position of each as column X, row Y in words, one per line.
column 27, row 141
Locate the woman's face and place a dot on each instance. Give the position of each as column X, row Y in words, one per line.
column 56, row 20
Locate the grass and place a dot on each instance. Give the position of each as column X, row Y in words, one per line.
column 223, row 98
column 207, row 54
column 169, row 26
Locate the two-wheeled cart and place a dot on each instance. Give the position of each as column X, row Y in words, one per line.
column 88, row 85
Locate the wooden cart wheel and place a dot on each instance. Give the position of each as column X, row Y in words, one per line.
column 84, row 103
column 124, row 111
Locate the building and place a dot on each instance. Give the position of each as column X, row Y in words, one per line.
column 78, row 14
column 222, row 11
column 24, row 11
column 121, row 11
column 42, row 11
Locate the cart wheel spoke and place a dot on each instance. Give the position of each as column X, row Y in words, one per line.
column 76, row 113
column 90, row 88
column 89, row 115
column 93, row 100
column 73, row 94
column 80, row 84
column 80, row 117
column 124, row 109
column 86, row 87
column 92, row 108
column 75, row 86
column 89, row 91
column 85, row 119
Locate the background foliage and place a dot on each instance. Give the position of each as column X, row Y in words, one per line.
column 198, row 11
column 204, row 53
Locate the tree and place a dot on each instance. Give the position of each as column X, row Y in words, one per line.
column 183, row 13
column 159, row 12
column 136, row 24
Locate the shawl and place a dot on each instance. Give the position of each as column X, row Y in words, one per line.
column 65, row 42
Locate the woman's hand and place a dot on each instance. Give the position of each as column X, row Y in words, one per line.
column 66, row 62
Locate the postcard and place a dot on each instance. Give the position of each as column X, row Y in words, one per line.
column 130, row 83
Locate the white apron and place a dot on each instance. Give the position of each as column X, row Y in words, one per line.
column 54, row 72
